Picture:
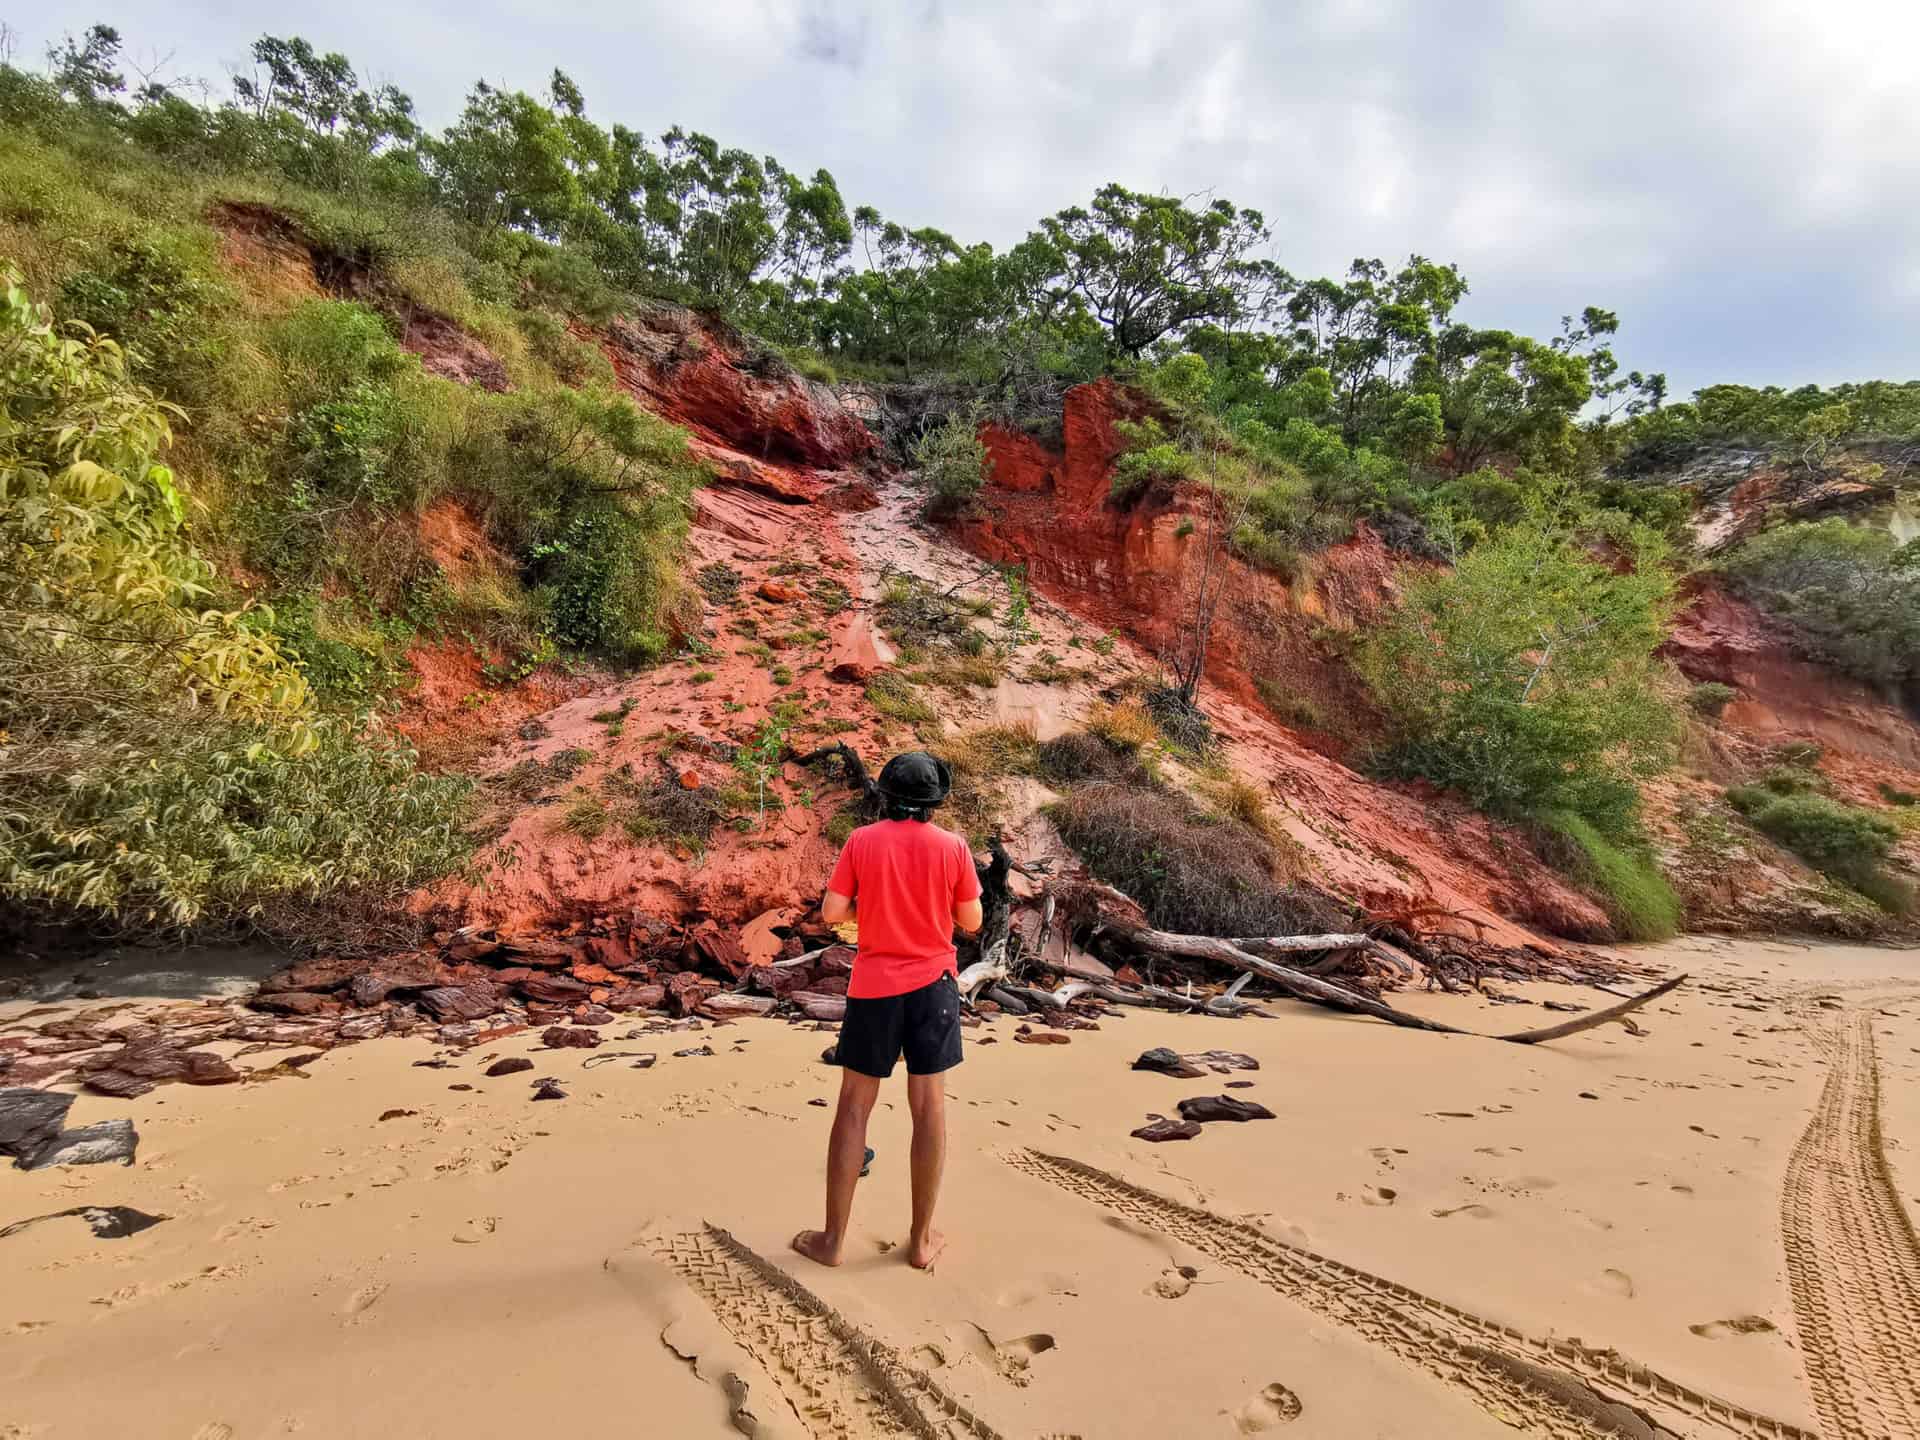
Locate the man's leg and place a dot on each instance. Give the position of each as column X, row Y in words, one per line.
column 927, row 1099
column 846, row 1153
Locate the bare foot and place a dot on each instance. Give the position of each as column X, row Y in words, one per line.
column 923, row 1253
column 815, row 1245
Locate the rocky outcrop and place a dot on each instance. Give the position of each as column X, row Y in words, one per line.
column 699, row 372
column 1779, row 696
column 1277, row 644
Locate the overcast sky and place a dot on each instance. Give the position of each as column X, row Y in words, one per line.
column 1739, row 179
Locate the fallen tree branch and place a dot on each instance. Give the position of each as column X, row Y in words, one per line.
column 1599, row 1017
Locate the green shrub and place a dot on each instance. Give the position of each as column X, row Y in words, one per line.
column 160, row 758
column 1711, row 697
column 152, row 296
column 1843, row 840
column 1525, row 677
column 1080, row 755
column 951, row 462
column 1623, row 877
column 1850, row 593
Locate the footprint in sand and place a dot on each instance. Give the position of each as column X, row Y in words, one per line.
column 363, row 1300
column 1174, row 1283
column 1472, row 1210
column 1014, row 1358
column 1275, row 1405
column 1739, row 1325
column 1379, row 1195
column 1615, row 1282
column 476, row 1230
column 214, row 1430
column 27, row 1327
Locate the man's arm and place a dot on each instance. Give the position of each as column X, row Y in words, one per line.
column 967, row 916
column 835, row 907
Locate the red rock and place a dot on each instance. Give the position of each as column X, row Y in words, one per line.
column 592, row 974
column 400, row 972
column 720, row 949
column 1160, row 1128
column 838, row 960
column 511, row 1066
column 296, row 1002
column 325, row 972
column 1222, row 1107
column 816, row 1005
column 560, row 1037
column 461, row 1002
column 637, row 997
column 592, row 1015
column 854, row 497
column 729, row 1005
column 609, row 952
column 554, row 989
column 830, row 985
column 778, row 591
column 689, row 779
column 1042, row 1037
column 777, row 980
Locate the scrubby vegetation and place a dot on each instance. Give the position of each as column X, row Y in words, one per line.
column 1850, row 593
column 1791, row 805
column 163, row 760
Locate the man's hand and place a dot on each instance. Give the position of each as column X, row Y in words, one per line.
column 968, row 917
column 836, row 908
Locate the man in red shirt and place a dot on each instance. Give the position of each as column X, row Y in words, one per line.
column 913, row 882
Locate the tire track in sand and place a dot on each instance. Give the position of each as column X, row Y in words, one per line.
column 840, row 1381
column 1559, row 1388
column 1853, row 1261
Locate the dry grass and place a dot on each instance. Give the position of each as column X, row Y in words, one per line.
column 1194, row 873
column 1080, row 756
column 1125, row 725
column 979, row 758
column 1241, row 800
column 898, row 698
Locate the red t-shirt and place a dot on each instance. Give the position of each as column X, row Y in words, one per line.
column 907, row 876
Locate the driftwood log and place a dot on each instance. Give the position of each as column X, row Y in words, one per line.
column 1311, row 988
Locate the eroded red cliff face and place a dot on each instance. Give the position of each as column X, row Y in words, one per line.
column 785, row 453
column 1720, row 637
column 1127, row 568
column 1276, row 671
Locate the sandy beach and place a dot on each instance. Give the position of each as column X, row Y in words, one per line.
column 379, row 1245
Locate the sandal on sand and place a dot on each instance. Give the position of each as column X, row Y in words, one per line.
column 867, row 1164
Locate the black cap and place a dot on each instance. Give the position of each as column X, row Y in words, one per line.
column 916, row 780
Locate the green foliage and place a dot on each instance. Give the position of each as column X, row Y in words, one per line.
column 951, row 462
column 1851, row 595
column 1845, row 841
column 1636, row 896
column 159, row 756
column 1525, row 677
column 1710, row 697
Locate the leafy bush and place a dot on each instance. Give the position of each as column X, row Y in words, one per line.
column 1711, row 697
column 1623, row 877
column 1193, row 873
column 1525, row 677
column 159, row 757
column 1851, row 595
column 1843, row 840
column 151, row 297
column 951, row 462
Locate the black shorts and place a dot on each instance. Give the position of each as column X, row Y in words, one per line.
column 923, row 1024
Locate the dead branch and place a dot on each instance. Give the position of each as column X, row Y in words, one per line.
column 1599, row 1017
